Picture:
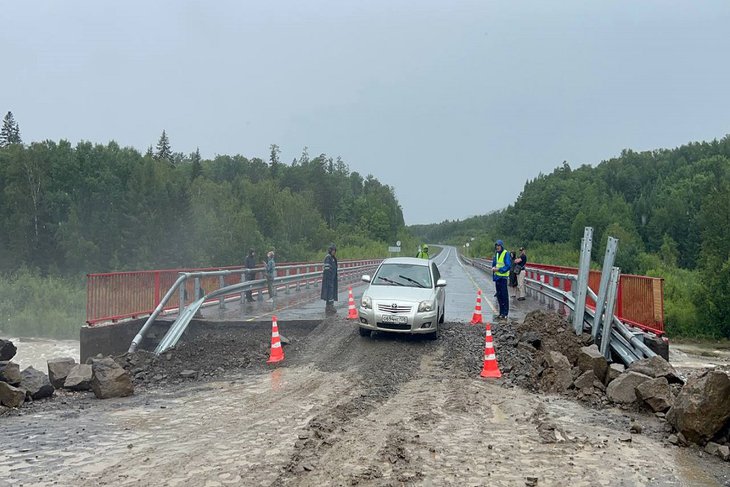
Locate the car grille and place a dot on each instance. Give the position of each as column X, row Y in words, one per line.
column 394, row 326
column 389, row 308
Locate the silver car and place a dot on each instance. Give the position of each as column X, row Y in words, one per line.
column 405, row 295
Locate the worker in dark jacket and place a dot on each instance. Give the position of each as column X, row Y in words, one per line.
column 329, row 279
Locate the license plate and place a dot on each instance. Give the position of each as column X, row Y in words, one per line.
column 394, row 319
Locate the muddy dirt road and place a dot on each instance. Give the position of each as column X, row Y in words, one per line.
column 343, row 410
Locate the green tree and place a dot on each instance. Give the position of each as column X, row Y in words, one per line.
column 274, row 160
column 164, row 150
column 10, row 132
column 197, row 167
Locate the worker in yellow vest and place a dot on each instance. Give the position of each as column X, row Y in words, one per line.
column 501, row 264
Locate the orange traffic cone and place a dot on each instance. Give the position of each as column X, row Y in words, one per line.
column 352, row 312
column 490, row 369
column 277, row 353
column 476, row 318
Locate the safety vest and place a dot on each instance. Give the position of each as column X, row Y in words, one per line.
column 500, row 264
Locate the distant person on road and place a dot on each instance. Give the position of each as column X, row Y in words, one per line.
column 329, row 280
column 521, row 261
column 250, row 264
column 501, row 264
column 423, row 254
column 513, row 274
column 420, row 249
column 270, row 274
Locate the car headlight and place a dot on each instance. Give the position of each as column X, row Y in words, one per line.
column 366, row 302
column 425, row 306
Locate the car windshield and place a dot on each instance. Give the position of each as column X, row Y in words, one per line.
column 403, row 275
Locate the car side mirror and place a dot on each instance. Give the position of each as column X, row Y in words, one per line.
column 366, row 278
column 441, row 283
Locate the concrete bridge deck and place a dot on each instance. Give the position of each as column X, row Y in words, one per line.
column 463, row 281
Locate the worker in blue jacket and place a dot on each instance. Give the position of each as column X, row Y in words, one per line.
column 501, row 264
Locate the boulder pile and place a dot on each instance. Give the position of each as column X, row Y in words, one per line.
column 101, row 375
column 696, row 412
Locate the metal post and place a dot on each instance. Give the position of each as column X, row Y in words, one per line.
column 561, row 308
column 181, row 298
column 196, row 288
column 286, row 284
column 582, row 282
column 221, row 284
column 608, row 260
column 243, row 293
column 608, row 322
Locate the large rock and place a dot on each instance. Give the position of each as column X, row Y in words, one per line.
column 557, row 375
column 590, row 358
column 36, row 383
column 10, row 373
column 585, row 380
column 613, row 371
column 702, row 407
column 12, row 397
column 623, row 389
column 109, row 379
column 655, row 393
column 79, row 378
column 656, row 367
column 58, row 369
column 7, row 350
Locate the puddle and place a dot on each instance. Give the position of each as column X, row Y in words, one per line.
column 691, row 472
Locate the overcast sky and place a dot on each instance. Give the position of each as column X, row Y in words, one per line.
column 456, row 104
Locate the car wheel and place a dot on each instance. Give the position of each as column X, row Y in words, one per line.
column 364, row 332
column 443, row 314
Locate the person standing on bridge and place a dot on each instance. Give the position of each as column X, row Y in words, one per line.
column 329, row 280
column 250, row 264
column 270, row 273
column 521, row 260
column 424, row 252
column 501, row 264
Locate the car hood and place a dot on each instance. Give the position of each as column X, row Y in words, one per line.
column 400, row 293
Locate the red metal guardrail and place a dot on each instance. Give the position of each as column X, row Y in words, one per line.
column 640, row 300
column 115, row 296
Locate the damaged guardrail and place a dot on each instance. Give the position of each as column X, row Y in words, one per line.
column 569, row 293
column 234, row 291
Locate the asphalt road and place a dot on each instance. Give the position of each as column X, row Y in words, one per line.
column 463, row 281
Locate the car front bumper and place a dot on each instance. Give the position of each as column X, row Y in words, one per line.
column 410, row 322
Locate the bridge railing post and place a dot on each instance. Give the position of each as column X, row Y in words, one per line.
column 610, row 303
column 243, row 293
column 196, row 288
column 181, row 296
column 606, row 274
column 222, row 299
column 582, row 282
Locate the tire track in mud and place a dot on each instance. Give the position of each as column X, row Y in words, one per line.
column 376, row 365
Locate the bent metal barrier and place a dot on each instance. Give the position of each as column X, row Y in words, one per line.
column 115, row 296
column 559, row 288
column 640, row 300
